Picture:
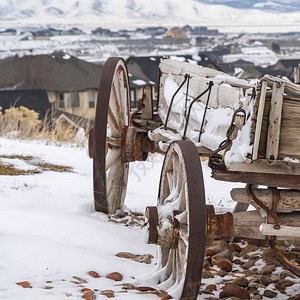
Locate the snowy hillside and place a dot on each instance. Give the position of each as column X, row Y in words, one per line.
column 275, row 5
column 139, row 12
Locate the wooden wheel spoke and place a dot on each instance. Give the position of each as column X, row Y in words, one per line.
column 112, row 157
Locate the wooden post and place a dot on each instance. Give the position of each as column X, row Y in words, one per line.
column 275, row 121
column 147, row 101
column 259, row 119
column 297, row 74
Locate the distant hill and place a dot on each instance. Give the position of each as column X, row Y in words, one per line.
column 274, row 5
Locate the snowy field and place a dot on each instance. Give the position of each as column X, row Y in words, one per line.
column 50, row 232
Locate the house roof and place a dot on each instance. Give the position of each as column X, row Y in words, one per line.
column 146, row 67
column 36, row 100
column 58, row 72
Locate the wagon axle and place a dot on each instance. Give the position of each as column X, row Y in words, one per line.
column 165, row 233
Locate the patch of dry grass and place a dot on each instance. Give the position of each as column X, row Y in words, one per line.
column 23, row 123
column 52, row 167
column 9, row 169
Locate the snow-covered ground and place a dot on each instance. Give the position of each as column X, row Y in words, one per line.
column 50, row 232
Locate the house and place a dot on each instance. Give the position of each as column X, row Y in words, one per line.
column 283, row 68
column 71, row 84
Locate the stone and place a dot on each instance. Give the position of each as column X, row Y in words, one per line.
column 267, row 269
column 285, row 274
column 217, row 247
column 164, row 296
column 108, row 293
column 249, row 249
column 252, row 287
column 126, row 255
column 233, row 290
column 241, row 281
column 296, row 297
column 248, row 264
column 207, row 274
column 222, row 262
column 268, row 253
column 93, row 274
column 88, row 294
column 270, row 294
column 225, row 265
column 275, row 277
column 206, row 264
column 211, row 287
column 24, row 284
column 145, row 258
column 236, row 247
column 237, row 261
column 257, row 297
column 227, row 253
column 116, row 276
column 222, row 273
column 128, row 286
column 79, row 279
column 265, row 280
column 145, row 288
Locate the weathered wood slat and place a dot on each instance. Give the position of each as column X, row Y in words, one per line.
column 267, row 166
column 289, row 199
column 275, row 121
column 290, row 88
column 268, row 179
column 147, row 101
column 260, row 113
column 246, row 224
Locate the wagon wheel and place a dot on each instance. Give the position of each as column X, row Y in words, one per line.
column 181, row 206
column 112, row 119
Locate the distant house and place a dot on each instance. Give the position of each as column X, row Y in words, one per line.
column 71, row 84
column 283, row 68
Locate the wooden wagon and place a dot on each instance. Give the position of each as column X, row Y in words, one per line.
column 248, row 131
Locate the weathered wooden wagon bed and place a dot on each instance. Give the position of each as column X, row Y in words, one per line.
column 248, row 131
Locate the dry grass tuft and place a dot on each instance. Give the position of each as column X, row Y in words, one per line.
column 52, row 167
column 10, row 170
column 23, row 123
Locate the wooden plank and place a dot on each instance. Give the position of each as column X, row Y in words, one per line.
column 296, row 75
column 275, row 121
column 268, row 179
column 266, row 166
column 246, row 224
column 176, row 67
column 259, row 120
column 289, row 199
column 291, row 89
column 289, row 145
column 147, row 112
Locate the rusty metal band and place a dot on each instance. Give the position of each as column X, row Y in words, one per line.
column 172, row 100
column 152, row 215
column 282, row 258
column 99, row 157
column 191, row 105
column 215, row 159
column 197, row 219
column 269, row 211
